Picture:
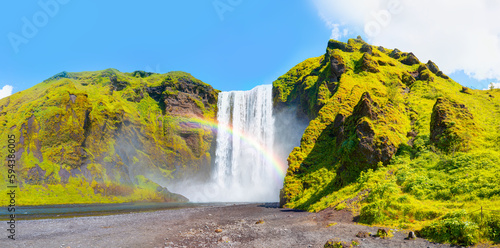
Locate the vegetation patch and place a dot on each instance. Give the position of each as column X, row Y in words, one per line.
column 85, row 137
column 396, row 142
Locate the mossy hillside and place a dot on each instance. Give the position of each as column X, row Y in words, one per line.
column 86, row 137
column 375, row 148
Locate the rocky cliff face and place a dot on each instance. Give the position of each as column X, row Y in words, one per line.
column 366, row 105
column 108, row 136
column 393, row 140
column 452, row 126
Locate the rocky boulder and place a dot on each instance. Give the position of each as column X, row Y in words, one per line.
column 435, row 69
column 366, row 49
column 432, row 67
column 410, row 59
column 370, row 148
column 169, row 196
column 451, row 125
column 395, row 54
column 369, row 64
column 337, row 66
column 333, row 44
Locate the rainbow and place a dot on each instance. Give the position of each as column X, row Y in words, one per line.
column 279, row 167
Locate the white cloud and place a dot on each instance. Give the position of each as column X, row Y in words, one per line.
column 6, row 91
column 337, row 33
column 457, row 35
column 495, row 86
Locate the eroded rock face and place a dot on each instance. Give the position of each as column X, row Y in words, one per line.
column 368, row 150
column 432, row 67
column 365, row 107
column 169, row 196
column 368, row 64
column 333, row 44
column 408, row 79
column 395, row 54
column 283, row 199
column 183, row 98
column 182, row 104
column 435, row 69
column 366, row 49
column 116, row 84
column 441, row 74
column 337, row 66
column 410, row 59
column 365, row 134
column 424, row 73
column 338, row 127
column 451, row 124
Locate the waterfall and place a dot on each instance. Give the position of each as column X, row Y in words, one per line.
column 251, row 142
column 243, row 168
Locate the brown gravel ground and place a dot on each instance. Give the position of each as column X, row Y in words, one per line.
column 211, row 226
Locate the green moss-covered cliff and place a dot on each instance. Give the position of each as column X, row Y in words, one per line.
column 395, row 141
column 107, row 136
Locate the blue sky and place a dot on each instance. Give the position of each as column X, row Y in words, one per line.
column 230, row 44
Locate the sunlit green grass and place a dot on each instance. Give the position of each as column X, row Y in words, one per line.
column 424, row 185
column 79, row 123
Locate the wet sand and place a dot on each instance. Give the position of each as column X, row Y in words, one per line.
column 208, row 226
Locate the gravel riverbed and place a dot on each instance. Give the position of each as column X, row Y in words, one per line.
column 240, row 225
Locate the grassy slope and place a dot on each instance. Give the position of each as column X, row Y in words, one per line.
column 98, row 143
column 437, row 188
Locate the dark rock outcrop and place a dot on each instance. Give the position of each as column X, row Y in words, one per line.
column 432, row 67
column 338, row 128
column 395, row 54
column 366, row 49
column 424, row 73
column 169, row 196
column 368, row 150
column 283, row 199
column 116, row 84
column 369, row 64
column 441, row 74
column 451, row 125
column 411, row 235
column 182, row 104
column 466, row 90
column 333, row 44
column 435, row 69
column 185, row 98
column 337, row 66
column 365, row 107
column 407, row 79
column 410, row 59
